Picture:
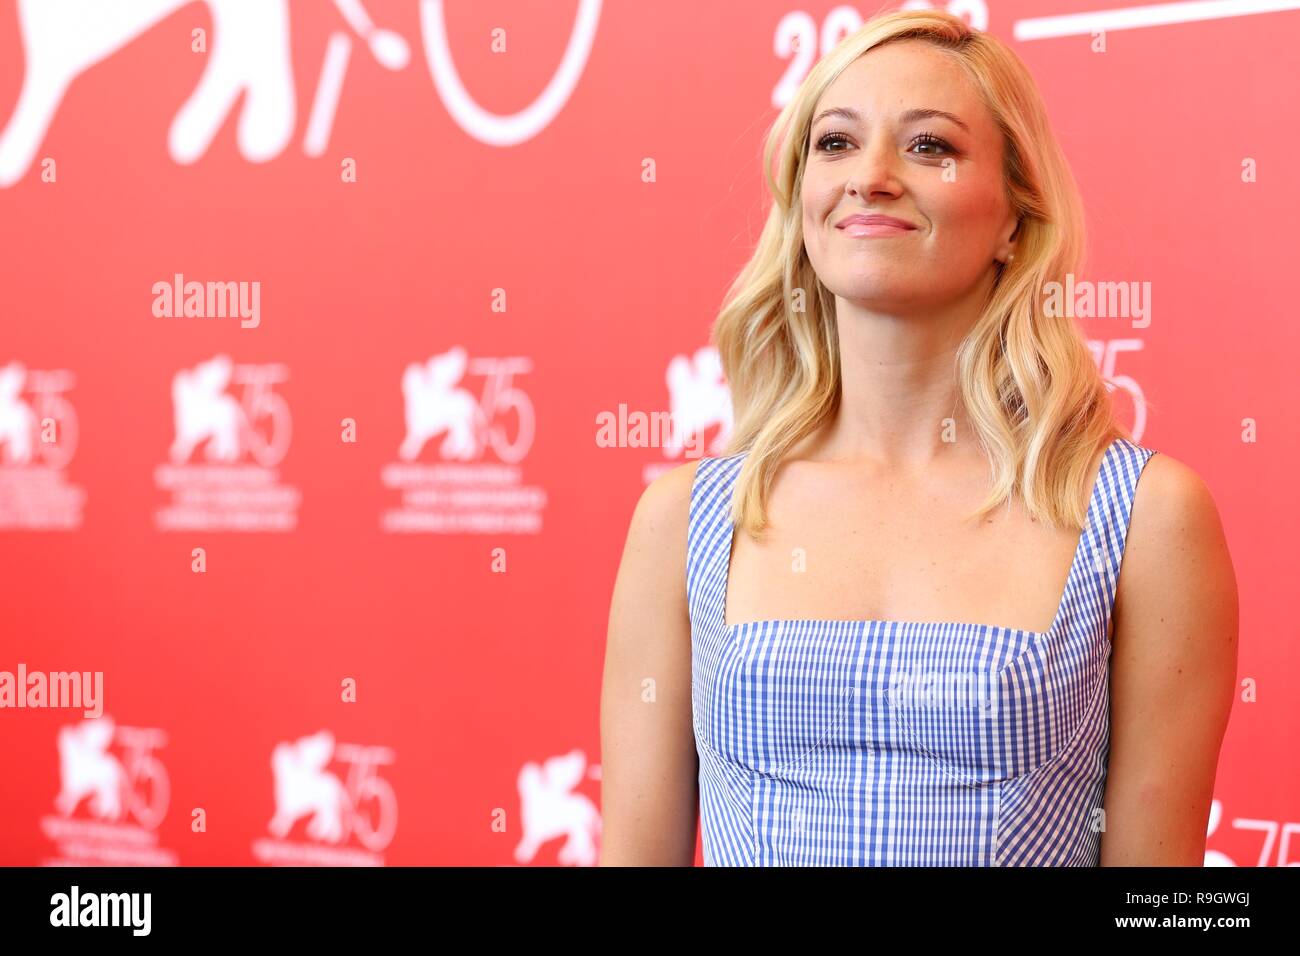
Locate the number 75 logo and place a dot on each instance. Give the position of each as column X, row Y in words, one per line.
column 1104, row 353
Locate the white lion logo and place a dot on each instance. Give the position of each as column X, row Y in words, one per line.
column 434, row 405
column 203, row 411
column 17, row 420
column 86, row 768
column 303, row 786
column 698, row 398
column 550, row 809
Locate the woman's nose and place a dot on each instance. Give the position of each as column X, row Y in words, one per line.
column 875, row 169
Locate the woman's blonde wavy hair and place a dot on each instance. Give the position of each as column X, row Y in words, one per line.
column 1027, row 380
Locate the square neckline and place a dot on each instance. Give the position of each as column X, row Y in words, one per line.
column 960, row 626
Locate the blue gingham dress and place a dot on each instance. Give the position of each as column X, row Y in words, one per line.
column 903, row 743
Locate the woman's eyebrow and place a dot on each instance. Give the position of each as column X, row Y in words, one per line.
column 853, row 116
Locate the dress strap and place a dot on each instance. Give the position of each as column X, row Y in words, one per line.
column 709, row 538
column 1095, row 577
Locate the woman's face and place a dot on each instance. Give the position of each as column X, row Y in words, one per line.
column 942, row 175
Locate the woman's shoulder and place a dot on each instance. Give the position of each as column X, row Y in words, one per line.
column 1170, row 496
column 662, row 514
column 1175, row 548
column 665, row 504
column 672, row 488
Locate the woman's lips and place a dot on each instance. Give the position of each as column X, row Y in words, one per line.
column 874, row 225
column 874, row 230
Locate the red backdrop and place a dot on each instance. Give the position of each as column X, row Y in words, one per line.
column 343, row 558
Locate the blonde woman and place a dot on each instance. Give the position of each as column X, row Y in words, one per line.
column 935, row 607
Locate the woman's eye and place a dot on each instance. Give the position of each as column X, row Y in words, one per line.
column 931, row 141
column 830, row 138
column 933, row 145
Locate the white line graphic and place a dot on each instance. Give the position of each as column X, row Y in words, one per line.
column 1155, row 15
column 327, row 94
column 491, row 128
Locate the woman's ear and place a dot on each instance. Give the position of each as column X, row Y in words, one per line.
column 1009, row 245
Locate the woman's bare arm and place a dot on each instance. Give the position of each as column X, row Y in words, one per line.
column 1173, row 672
column 649, row 782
